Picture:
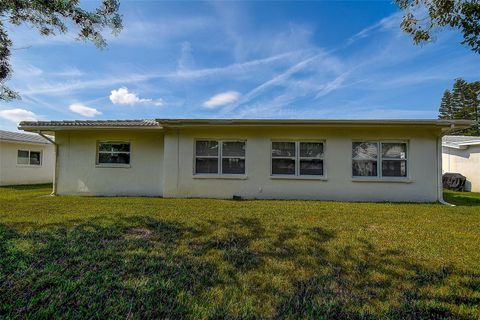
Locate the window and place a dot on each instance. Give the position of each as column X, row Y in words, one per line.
column 394, row 159
column 113, row 153
column 28, row 157
column 224, row 157
column 366, row 158
column 297, row 158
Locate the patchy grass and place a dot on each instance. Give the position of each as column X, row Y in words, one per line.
column 73, row 257
column 462, row 198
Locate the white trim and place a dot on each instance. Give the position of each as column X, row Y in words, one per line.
column 227, row 176
column 386, row 179
column 303, row 177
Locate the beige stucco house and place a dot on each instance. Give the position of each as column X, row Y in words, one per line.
column 352, row 160
column 25, row 159
column 461, row 154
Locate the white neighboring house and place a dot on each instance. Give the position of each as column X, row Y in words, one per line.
column 461, row 154
column 25, row 159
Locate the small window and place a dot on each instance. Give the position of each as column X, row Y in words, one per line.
column 219, row 157
column 392, row 158
column 297, row 158
column 233, row 157
column 364, row 156
column 28, row 157
column 283, row 158
column 113, row 153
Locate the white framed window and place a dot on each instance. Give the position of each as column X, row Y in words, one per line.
column 29, row 158
column 297, row 158
column 225, row 157
column 379, row 159
column 113, row 153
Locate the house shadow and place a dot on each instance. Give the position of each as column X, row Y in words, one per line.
column 28, row 186
column 144, row 267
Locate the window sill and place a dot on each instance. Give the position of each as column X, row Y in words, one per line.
column 125, row 166
column 292, row 177
column 29, row 165
column 389, row 180
column 221, row 176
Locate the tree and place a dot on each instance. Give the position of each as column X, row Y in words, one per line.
column 445, row 111
column 422, row 17
column 51, row 17
column 463, row 102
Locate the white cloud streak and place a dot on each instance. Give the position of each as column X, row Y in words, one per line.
column 16, row 115
column 221, row 99
column 84, row 110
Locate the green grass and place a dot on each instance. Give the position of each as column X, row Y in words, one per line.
column 462, row 198
column 138, row 258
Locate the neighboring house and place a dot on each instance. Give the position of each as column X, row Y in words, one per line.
column 25, row 159
column 352, row 160
column 461, row 154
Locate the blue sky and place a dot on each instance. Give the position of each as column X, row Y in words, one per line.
column 179, row 59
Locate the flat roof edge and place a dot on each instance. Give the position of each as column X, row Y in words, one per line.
column 260, row 122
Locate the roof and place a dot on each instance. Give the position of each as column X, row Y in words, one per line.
column 162, row 123
column 460, row 142
column 86, row 124
column 22, row 137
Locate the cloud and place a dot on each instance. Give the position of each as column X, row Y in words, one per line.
column 84, row 110
column 123, row 96
column 221, row 99
column 186, row 62
column 17, row 115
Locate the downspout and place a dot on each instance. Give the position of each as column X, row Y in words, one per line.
column 54, row 189
column 439, row 174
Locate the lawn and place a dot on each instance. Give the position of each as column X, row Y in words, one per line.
column 139, row 258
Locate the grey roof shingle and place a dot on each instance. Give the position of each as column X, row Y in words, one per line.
column 90, row 123
column 460, row 141
column 22, row 137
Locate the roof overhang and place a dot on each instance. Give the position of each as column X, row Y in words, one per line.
column 53, row 126
column 442, row 124
column 159, row 124
column 462, row 146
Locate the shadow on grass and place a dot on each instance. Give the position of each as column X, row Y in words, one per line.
column 28, row 186
column 148, row 268
column 462, row 198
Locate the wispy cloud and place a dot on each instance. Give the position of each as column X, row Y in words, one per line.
column 84, row 110
column 221, row 99
column 388, row 23
column 16, row 115
column 123, row 96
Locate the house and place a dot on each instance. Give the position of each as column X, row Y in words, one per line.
column 25, row 159
column 350, row 160
column 461, row 154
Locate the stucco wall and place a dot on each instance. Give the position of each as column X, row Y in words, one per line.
column 79, row 174
column 179, row 180
column 466, row 162
column 12, row 173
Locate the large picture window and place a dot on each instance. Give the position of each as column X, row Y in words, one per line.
column 113, row 153
column 29, row 157
column 219, row 157
column 379, row 159
column 297, row 158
